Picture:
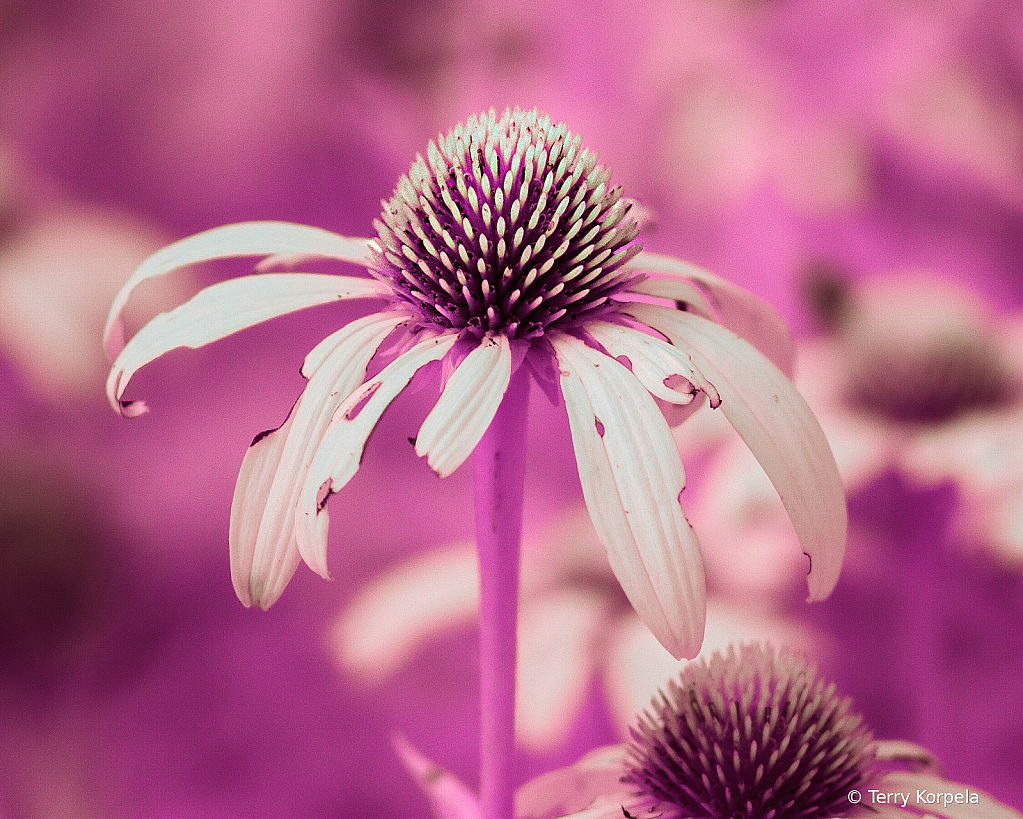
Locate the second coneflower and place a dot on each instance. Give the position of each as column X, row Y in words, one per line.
column 506, row 255
column 753, row 733
column 750, row 734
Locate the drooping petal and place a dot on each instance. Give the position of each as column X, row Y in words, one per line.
column 264, row 551
column 777, row 426
column 591, row 783
column 259, row 576
column 389, row 620
column 242, row 239
column 975, row 804
column 745, row 314
column 337, row 459
column 631, row 477
column 225, row 308
column 654, row 362
column 466, row 407
column 449, row 797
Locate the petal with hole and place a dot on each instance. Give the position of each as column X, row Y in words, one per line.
column 632, row 477
column 778, row 427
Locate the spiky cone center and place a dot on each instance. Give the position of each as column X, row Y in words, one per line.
column 508, row 226
column 750, row 735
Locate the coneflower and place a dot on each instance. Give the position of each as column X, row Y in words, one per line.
column 506, row 255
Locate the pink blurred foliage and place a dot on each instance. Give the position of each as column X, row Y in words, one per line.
column 767, row 137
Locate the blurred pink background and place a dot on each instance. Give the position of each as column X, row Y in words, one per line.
column 805, row 150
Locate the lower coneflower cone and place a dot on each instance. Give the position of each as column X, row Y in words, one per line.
column 507, row 227
column 754, row 734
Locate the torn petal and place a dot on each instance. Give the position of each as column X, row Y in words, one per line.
column 242, row 239
column 227, row 307
column 657, row 365
column 745, row 314
column 326, row 349
column 778, row 427
column 466, row 407
column 631, row 478
column 262, row 535
column 675, row 414
column 337, row 458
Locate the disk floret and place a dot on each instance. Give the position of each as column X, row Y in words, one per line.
column 750, row 735
column 508, row 226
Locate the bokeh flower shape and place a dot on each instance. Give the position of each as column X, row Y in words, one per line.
column 753, row 733
column 922, row 375
column 506, row 247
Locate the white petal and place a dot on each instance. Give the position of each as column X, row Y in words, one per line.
column 262, row 535
column 749, row 547
column 975, row 805
column 337, row 459
column 591, row 782
column 631, row 477
column 653, row 361
column 466, row 407
column 899, row 750
column 243, row 239
column 559, row 636
column 259, row 577
column 390, row 619
column 778, row 427
column 749, row 316
column 225, row 308
column 448, row 795
column 674, row 289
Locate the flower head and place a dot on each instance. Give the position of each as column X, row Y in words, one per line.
column 506, row 248
column 750, row 734
column 510, row 227
column 920, row 352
